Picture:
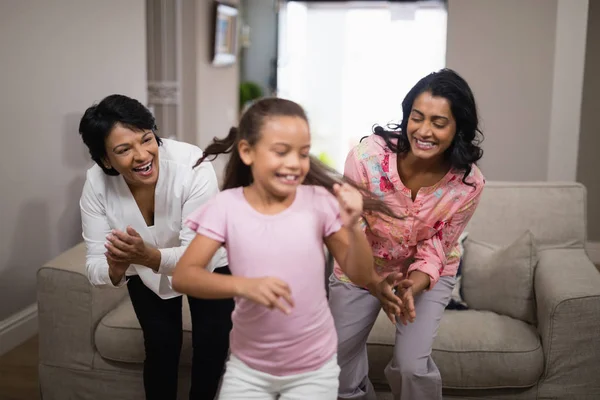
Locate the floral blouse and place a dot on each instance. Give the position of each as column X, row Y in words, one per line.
column 427, row 239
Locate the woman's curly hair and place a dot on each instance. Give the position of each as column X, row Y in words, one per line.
column 464, row 150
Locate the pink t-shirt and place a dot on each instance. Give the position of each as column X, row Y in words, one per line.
column 288, row 246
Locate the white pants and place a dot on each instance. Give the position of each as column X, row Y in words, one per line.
column 241, row 382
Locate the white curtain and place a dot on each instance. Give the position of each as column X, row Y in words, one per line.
column 350, row 65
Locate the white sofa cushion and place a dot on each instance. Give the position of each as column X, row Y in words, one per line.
column 119, row 335
column 501, row 279
column 473, row 350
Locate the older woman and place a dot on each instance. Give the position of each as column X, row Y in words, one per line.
column 133, row 205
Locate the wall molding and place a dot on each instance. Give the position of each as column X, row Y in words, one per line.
column 18, row 328
column 163, row 92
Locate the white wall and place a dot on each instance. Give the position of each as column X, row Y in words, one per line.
column 209, row 93
column 505, row 50
column 567, row 89
column 524, row 60
column 57, row 58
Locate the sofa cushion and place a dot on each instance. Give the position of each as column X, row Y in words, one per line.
column 501, row 279
column 119, row 336
column 473, row 350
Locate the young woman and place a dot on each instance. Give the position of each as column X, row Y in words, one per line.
column 426, row 171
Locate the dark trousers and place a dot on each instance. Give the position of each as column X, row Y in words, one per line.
column 161, row 322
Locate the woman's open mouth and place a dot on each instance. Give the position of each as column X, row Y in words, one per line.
column 145, row 170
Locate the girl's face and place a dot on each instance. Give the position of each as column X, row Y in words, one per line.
column 134, row 154
column 280, row 158
column 431, row 126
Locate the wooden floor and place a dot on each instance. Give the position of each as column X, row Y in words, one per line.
column 19, row 372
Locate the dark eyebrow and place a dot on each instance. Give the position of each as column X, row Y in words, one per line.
column 434, row 117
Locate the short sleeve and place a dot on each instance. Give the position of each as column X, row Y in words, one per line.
column 210, row 219
column 329, row 210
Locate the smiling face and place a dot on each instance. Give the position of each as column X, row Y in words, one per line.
column 280, row 158
column 431, row 127
column 133, row 154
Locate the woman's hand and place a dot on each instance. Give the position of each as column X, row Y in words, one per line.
column 351, row 204
column 127, row 247
column 266, row 291
column 384, row 291
column 116, row 270
column 408, row 313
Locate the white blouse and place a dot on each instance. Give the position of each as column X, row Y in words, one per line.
column 107, row 203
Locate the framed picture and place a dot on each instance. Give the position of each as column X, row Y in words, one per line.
column 225, row 35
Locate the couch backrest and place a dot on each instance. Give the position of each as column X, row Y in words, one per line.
column 554, row 212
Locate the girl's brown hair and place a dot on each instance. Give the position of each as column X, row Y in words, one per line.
column 239, row 174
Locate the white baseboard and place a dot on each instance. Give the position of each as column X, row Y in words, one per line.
column 18, row 328
column 593, row 251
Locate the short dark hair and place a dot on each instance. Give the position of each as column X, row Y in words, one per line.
column 100, row 119
column 464, row 150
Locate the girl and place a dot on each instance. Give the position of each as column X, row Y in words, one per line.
column 427, row 171
column 283, row 341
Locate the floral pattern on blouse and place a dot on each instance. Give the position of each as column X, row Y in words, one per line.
column 427, row 239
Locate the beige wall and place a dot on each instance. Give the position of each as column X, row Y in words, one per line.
column 57, row 58
column 210, row 94
column 533, row 66
column 567, row 88
column 588, row 166
column 505, row 50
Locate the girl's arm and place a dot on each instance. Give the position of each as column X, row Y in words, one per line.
column 352, row 251
column 192, row 278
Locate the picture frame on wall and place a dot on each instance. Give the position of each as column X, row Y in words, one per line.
column 225, row 40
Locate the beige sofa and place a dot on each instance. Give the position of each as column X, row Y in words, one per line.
column 91, row 345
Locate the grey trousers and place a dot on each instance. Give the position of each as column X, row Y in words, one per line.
column 411, row 373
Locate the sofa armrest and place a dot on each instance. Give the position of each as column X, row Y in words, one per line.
column 567, row 289
column 69, row 309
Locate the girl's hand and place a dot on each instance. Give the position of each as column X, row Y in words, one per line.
column 351, row 204
column 266, row 291
column 408, row 313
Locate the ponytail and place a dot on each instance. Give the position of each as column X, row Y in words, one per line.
column 236, row 172
column 320, row 174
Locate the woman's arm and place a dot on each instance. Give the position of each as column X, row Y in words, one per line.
column 440, row 251
column 95, row 227
column 130, row 247
column 201, row 187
